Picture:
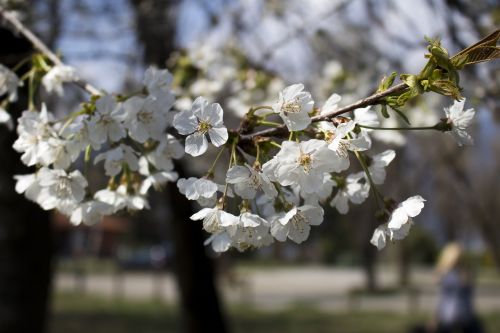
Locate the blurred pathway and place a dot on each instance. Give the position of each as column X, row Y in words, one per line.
column 273, row 288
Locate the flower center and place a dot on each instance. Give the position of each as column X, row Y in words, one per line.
column 305, row 160
column 254, row 181
column 106, row 120
column 63, row 188
column 342, row 148
column 145, row 117
column 291, row 106
column 212, row 223
column 329, row 136
column 299, row 221
column 203, row 126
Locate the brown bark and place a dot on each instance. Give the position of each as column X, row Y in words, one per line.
column 26, row 244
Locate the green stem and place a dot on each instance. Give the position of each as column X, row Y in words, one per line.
column 257, row 154
column 266, row 107
column 233, row 156
column 373, row 187
column 211, row 170
column 86, row 161
column 277, row 145
column 21, row 63
column 31, row 91
column 70, row 120
column 268, row 123
column 399, row 128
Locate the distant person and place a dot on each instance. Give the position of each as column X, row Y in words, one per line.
column 455, row 312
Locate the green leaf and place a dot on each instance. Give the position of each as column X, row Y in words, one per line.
column 484, row 50
column 387, row 82
column 383, row 110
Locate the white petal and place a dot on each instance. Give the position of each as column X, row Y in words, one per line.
column 237, row 174
column 213, row 114
column 313, row 214
column 331, row 103
column 280, row 231
column 185, row 122
column 218, row 136
column 378, row 238
column 290, row 92
column 221, row 242
column 196, row 144
column 206, row 188
column 462, row 137
column 385, row 158
column 397, row 219
column 340, row 202
column 296, row 121
column 413, row 206
column 202, row 214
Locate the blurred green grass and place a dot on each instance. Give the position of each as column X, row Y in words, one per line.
column 77, row 313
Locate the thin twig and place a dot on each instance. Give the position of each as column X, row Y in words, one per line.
column 371, row 100
column 40, row 46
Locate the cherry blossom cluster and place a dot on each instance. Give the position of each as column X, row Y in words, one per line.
column 129, row 137
column 273, row 189
column 258, row 203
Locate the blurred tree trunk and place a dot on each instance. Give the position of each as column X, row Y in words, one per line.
column 368, row 251
column 200, row 306
column 26, row 243
column 369, row 261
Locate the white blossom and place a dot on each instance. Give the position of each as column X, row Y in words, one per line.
column 202, row 119
column 144, row 119
column 34, row 130
column 214, row 219
column 294, row 106
column 168, row 148
column 106, row 123
column 9, row 82
column 296, row 223
column 90, row 212
column 64, row 190
column 247, row 182
column 78, row 132
column 399, row 223
column 114, row 159
column 341, row 139
column 6, row 119
column 220, row 242
column 378, row 163
column 303, row 164
column 29, row 185
column 65, row 152
column 367, row 117
column 252, row 232
column 196, row 188
column 350, row 189
column 121, row 198
column 157, row 81
column 321, row 193
column 379, row 236
column 56, row 76
column 157, row 180
column 459, row 120
column 331, row 104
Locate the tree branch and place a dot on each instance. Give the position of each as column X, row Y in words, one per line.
column 40, row 46
column 370, row 100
